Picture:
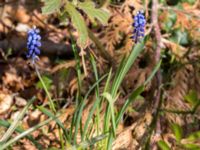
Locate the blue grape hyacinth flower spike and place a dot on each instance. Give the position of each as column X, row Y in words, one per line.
column 139, row 26
column 33, row 44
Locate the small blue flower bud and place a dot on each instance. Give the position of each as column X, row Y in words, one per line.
column 139, row 26
column 33, row 44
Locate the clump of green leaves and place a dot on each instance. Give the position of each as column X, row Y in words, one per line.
column 71, row 9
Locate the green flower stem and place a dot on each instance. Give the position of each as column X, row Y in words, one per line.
column 52, row 107
column 46, row 90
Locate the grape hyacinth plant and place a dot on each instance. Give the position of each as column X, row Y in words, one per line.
column 139, row 26
column 33, row 44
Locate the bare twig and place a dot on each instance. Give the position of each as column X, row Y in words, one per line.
column 156, row 28
column 158, row 99
column 158, row 48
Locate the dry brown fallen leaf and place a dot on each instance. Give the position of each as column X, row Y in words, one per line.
column 12, row 79
column 124, row 139
column 129, row 138
column 20, row 102
column 6, row 101
column 22, row 15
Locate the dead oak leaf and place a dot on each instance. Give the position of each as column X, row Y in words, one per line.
column 13, row 80
column 6, row 101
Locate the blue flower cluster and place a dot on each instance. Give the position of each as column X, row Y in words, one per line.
column 33, row 43
column 139, row 26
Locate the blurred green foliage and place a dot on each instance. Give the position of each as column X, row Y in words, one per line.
column 70, row 10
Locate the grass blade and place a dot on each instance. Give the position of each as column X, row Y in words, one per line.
column 124, row 68
column 127, row 65
column 111, row 105
column 25, row 133
column 81, row 106
column 16, row 122
column 96, row 103
column 131, row 98
column 59, row 123
column 153, row 72
column 6, row 124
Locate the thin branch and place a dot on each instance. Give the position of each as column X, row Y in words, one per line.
column 158, row 98
column 154, row 20
column 158, row 48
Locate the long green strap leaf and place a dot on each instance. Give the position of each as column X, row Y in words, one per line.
column 15, row 123
column 127, row 65
column 59, row 123
column 6, row 124
column 82, row 104
column 25, row 133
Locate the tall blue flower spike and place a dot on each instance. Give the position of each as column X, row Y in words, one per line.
column 33, row 44
column 139, row 26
